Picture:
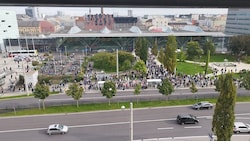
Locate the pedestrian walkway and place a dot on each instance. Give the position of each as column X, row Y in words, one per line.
column 198, row 138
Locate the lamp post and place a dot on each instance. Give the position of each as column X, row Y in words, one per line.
column 131, row 121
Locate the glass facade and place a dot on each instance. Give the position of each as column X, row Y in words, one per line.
column 238, row 22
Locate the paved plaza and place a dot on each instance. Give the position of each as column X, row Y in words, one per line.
column 13, row 69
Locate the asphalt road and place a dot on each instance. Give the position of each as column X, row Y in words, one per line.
column 113, row 125
column 127, row 95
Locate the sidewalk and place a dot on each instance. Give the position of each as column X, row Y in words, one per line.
column 244, row 137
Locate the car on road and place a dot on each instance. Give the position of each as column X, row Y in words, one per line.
column 240, row 127
column 186, row 119
column 57, row 129
column 202, row 105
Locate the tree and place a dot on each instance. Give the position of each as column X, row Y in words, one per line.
column 170, row 54
column 141, row 48
column 161, row 55
column 155, row 49
column 166, row 87
column 41, row 92
column 140, row 67
column 137, row 90
column 209, row 46
column 76, row 92
column 181, row 56
column 223, row 118
column 108, row 90
column 193, row 88
column 239, row 45
column 246, row 80
column 193, row 50
column 217, row 85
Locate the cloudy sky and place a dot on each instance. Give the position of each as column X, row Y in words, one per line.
column 80, row 11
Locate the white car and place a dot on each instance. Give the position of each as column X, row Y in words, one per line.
column 57, row 129
column 240, row 127
column 202, row 105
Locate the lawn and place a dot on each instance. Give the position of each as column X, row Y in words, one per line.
column 190, row 68
column 64, row 109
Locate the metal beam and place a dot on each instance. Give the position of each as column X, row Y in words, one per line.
column 131, row 3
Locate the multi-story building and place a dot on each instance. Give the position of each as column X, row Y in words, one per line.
column 47, row 27
column 35, row 27
column 160, row 21
column 8, row 27
column 238, row 21
column 99, row 21
column 29, row 27
column 32, row 12
column 124, row 23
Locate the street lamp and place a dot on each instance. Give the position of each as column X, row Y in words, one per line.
column 131, row 121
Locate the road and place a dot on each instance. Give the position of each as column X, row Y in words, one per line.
column 127, row 95
column 113, row 125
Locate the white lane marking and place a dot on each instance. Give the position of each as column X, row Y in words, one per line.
column 82, row 126
column 193, row 127
column 22, row 130
column 166, row 128
column 153, row 139
column 188, row 137
column 242, row 117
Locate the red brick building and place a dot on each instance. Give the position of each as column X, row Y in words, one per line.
column 47, row 27
column 98, row 22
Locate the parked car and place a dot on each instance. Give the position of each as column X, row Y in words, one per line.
column 187, row 119
column 240, row 127
column 202, row 105
column 57, row 129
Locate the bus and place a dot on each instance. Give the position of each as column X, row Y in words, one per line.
column 31, row 53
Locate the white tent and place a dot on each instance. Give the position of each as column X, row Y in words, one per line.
column 74, row 30
column 135, row 29
column 105, row 30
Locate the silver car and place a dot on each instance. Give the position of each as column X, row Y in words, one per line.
column 57, row 129
column 240, row 127
column 202, row 105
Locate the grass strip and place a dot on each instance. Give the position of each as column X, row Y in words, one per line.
column 64, row 109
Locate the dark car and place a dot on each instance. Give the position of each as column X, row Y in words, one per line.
column 187, row 119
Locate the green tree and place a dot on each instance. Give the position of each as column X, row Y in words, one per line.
column 161, row 55
column 166, row 88
column 76, row 92
column 239, row 45
column 41, row 92
column 125, row 60
column 170, row 54
column 141, row 48
column 140, row 67
column 223, row 118
column 209, row 46
column 246, row 80
column 193, row 88
column 108, row 90
column 137, row 90
column 193, row 50
column 217, row 84
column 181, row 56
column 155, row 49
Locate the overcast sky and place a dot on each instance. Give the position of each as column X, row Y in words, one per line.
column 80, row 11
